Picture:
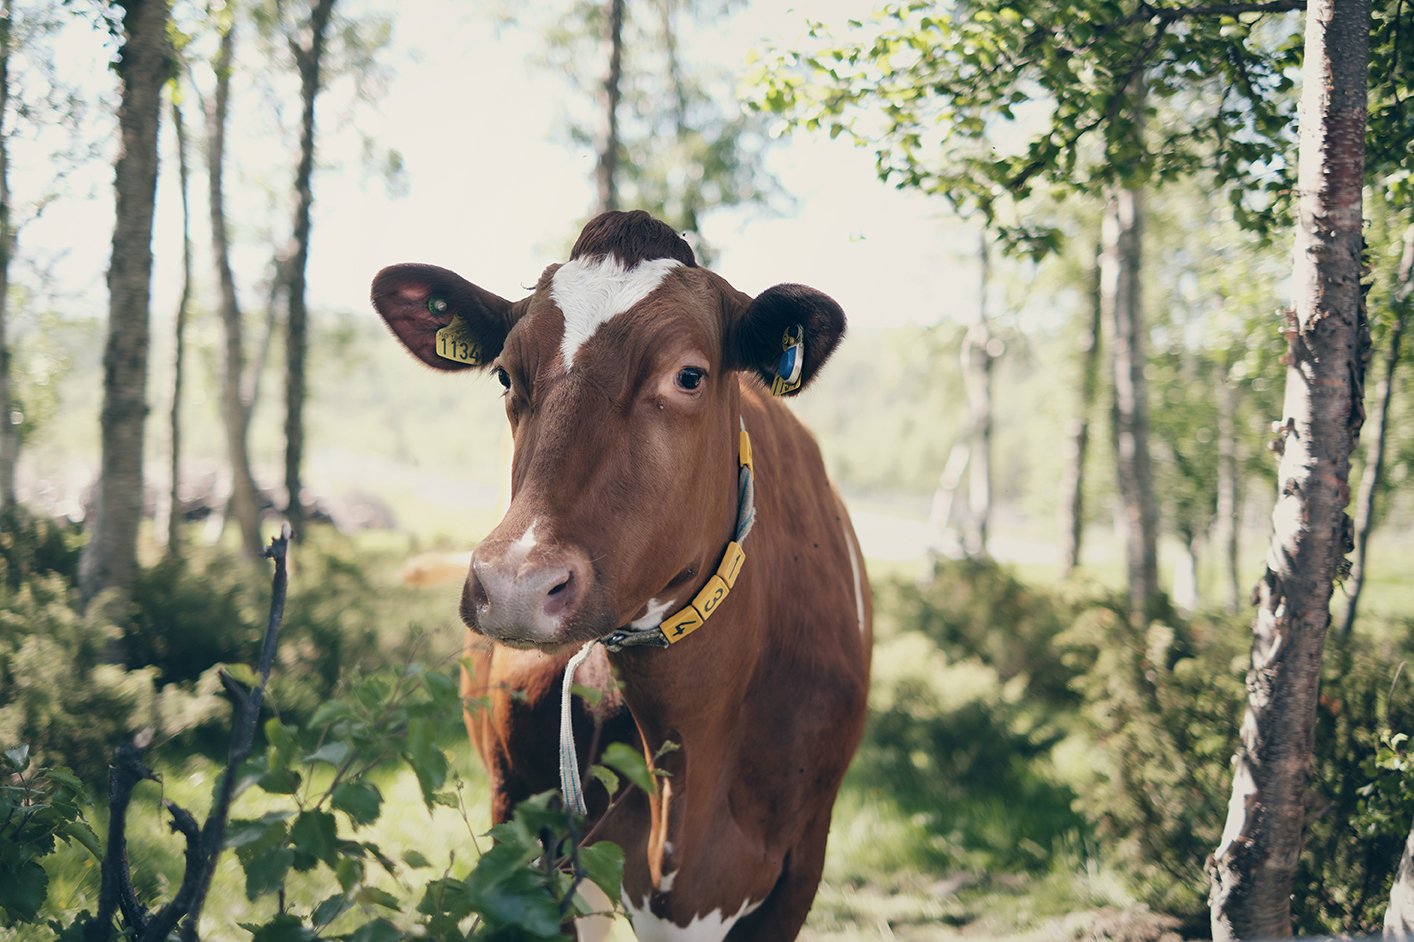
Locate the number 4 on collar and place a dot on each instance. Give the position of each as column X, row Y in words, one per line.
column 792, row 361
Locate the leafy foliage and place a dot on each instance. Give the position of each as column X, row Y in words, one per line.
column 37, row 807
column 987, row 106
column 1361, row 815
column 964, row 716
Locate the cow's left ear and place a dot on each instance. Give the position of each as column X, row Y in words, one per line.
column 786, row 334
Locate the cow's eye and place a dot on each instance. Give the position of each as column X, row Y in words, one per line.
column 689, row 378
column 504, row 377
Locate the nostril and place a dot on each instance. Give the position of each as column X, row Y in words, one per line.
column 476, row 592
column 560, row 596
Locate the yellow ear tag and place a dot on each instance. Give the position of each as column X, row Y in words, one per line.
column 457, row 342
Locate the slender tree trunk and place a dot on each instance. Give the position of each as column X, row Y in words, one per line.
column 1072, row 502
column 174, row 500
column 1375, row 450
column 9, row 434
column 235, row 409
column 1225, row 521
column 1399, row 917
column 309, row 59
column 1119, row 298
column 607, row 172
column 110, row 557
column 977, row 374
column 1254, row 865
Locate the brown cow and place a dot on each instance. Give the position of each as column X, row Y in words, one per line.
column 629, row 373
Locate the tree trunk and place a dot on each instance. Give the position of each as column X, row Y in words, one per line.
column 1119, row 299
column 234, row 407
column 1254, row 865
column 607, row 171
column 1072, row 502
column 1226, row 521
column 977, row 374
column 174, row 501
column 309, row 59
column 110, row 557
column 9, row 434
column 1399, row 917
column 1375, row 450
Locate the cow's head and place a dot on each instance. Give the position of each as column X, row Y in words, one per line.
column 620, row 375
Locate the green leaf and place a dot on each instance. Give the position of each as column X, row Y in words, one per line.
column 331, row 909
column 379, row 930
column 604, row 863
column 360, row 800
column 371, row 894
column 443, row 689
column 68, row 780
column 23, row 889
column 81, row 832
column 349, row 872
column 610, row 780
column 280, row 782
column 284, row 927
column 329, row 712
column 415, row 860
column 265, row 872
column 315, row 833
column 17, row 758
column 241, row 673
column 518, row 898
column 242, row 831
column 591, row 695
column 631, row 764
column 333, row 753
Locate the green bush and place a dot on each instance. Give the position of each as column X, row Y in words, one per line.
column 1151, row 754
column 969, row 698
column 1362, row 813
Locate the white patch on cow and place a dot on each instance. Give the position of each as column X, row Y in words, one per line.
column 858, row 585
column 590, row 291
column 527, row 539
column 654, row 618
column 713, row 927
column 594, row 928
column 665, row 883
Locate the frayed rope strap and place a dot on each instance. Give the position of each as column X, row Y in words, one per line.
column 671, row 630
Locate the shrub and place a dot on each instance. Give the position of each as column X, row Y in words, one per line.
column 1150, row 757
column 1361, row 813
column 968, row 699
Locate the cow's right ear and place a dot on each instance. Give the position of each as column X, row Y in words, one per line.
column 445, row 320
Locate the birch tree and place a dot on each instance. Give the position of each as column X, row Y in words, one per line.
column 1255, row 863
column 109, row 558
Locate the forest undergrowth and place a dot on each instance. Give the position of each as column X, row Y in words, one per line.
column 1034, row 764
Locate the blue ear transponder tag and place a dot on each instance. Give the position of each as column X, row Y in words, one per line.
column 792, row 361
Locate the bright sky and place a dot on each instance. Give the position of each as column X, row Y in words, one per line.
column 492, row 190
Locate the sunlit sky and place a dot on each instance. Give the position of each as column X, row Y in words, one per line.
column 493, row 186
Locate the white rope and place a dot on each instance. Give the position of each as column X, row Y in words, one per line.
column 569, row 760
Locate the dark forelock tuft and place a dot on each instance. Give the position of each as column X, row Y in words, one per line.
column 632, row 237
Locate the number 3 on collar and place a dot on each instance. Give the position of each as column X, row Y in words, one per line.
column 792, row 361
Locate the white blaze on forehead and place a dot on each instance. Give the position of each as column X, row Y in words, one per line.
column 590, row 291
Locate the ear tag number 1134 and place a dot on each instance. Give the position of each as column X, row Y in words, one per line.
column 457, row 342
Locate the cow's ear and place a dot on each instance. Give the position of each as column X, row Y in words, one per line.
column 445, row 320
column 786, row 334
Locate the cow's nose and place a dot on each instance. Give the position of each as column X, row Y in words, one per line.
column 523, row 600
